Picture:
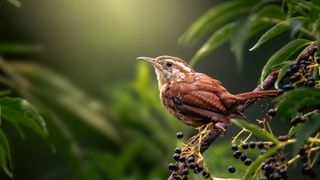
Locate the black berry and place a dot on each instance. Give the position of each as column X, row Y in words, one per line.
column 190, row 159
column 177, row 150
column 307, row 170
column 172, row 167
column 231, row 169
column 296, row 77
column 182, row 159
column 234, row 147
column 302, row 152
column 271, row 112
column 176, row 156
column 268, row 168
column 245, row 145
column 311, row 81
column 206, row 174
column 312, row 50
column 260, row 144
column 237, row 154
column 294, row 68
column 303, row 66
column 192, row 165
column 252, row 144
column 199, row 168
column 179, row 135
column 283, row 138
column 247, row 162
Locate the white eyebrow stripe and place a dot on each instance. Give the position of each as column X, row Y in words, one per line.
column 181, row 64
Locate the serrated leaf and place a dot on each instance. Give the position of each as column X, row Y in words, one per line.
column 307, row 129
column 272, row 32
column 213, row 18
column 20, row 112
column 291, row 103
column 217, row 39
column 5, row 156
column 281, row 56
column 256, row 163
column 282, row 73
column 256, row 130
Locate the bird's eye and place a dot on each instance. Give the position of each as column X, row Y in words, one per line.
column 168, row 64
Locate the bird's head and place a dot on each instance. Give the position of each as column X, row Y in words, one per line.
column 168, row 68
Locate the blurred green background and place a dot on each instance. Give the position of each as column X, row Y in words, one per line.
column 101, row 106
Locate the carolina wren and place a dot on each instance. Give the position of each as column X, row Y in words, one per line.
column 195, row 98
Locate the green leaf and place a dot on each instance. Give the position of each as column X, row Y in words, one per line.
column 21, row 112
column 217, row 39
column 294, row 23
column 282, row 55
column 213, row 18
column 17, row 48
column 316, row 25
column 60, row 97
column 307, row 129
column 5, row 156
column 282, row 73
column 239, row 37
column 16, row 3
column 256, row 163
column 272, row 32
column 271, row 11
column 5, row 92
column 256, row 130
column 248, row 27
column 291, row 103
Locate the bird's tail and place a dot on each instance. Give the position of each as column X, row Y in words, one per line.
column 253, row 96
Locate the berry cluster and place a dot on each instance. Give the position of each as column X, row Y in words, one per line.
column 304, row 71
column 307, row 166
column 273, row 168
column 187, row 159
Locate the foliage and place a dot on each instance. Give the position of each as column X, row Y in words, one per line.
column 137, row 133
column 17, row 112
column 237, row 22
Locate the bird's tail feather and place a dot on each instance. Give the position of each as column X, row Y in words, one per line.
column 252, row 96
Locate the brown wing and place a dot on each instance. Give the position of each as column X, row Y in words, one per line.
column 197, row 99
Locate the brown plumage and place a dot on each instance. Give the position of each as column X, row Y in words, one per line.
column 195, row 98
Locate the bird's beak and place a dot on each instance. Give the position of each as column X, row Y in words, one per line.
column 147, row 59
column 152, row 61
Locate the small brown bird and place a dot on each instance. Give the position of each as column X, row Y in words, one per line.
column 195, row 98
